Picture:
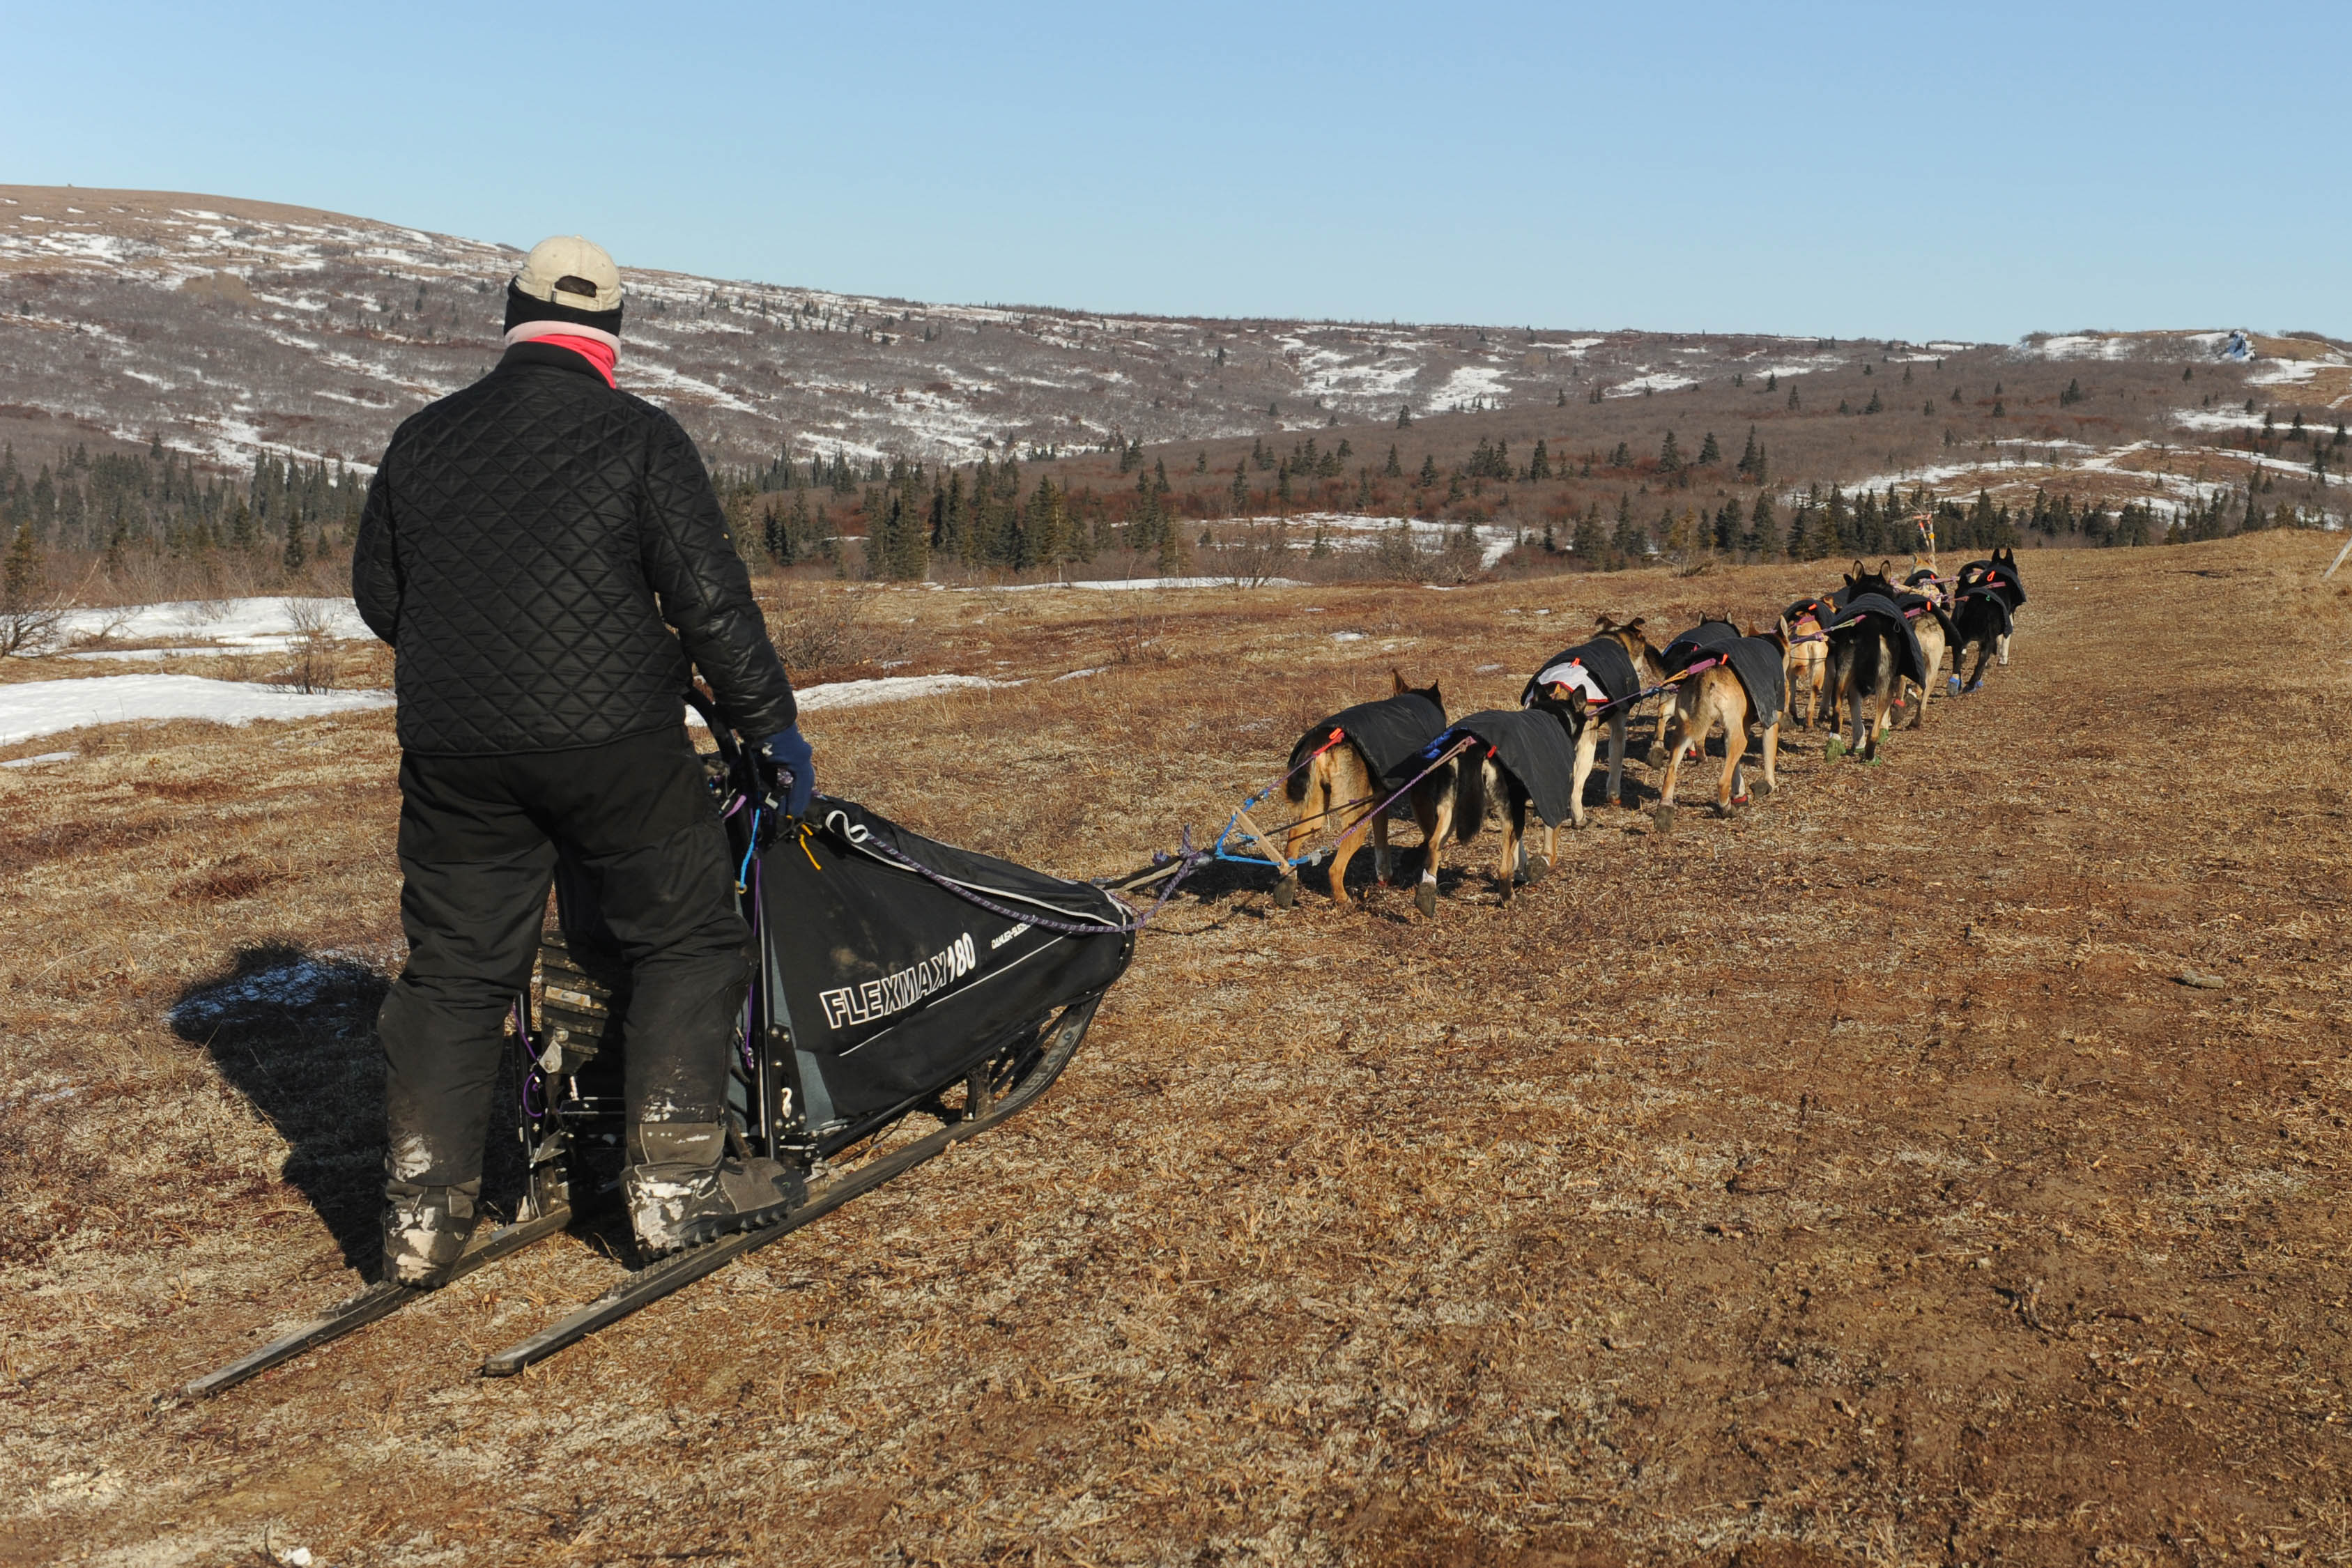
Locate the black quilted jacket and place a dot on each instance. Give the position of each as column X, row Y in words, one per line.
column 529, row 545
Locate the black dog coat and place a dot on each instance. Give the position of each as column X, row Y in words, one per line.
column 1913, row 659
column 1390, row 732
column 1533, row 747
column 1604, row 659
column 1701, row 641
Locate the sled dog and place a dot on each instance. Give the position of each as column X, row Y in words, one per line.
column 1808, row 656
column 1575, row 693
column 1717, row 695
column 1353, row 753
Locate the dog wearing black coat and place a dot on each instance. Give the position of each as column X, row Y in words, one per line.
column 1717, row 697
column 1984, row 607
column 1451, row 806
column 1865, row 665
column 1519, row 759
column 1336, row 789
column 1578, row 706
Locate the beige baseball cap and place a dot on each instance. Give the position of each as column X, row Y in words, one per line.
column 571, row 271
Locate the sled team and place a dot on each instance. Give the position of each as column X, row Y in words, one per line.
column 1849, row 660
column 548, row 556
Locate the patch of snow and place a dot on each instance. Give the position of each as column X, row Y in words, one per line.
column 225, row 624
column 154, row 654
column 1348, row 636
column 2283, row 372
column 1799, row 366
column 892, row 688
column 1494, row 540
column 44, row 757
column 2225, row 418
column 1124, row 582
column 1082, row 674
column 1657, row 381
column 44, row 706
column 1467, row 384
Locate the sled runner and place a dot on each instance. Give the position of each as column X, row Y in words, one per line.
column 899, row 982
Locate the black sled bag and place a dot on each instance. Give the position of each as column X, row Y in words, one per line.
column 892, row 987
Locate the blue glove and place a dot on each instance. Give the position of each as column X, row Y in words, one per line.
column 789, row 755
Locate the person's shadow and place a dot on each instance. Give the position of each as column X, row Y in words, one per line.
column 294, row 1032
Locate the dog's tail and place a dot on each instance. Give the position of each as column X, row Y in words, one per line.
column 1875, row 662
column 1469, row 797
column 1294, row 788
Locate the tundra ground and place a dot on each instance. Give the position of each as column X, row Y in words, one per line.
column 1941, row 1161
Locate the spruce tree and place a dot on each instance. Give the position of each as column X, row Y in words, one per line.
column 1762, row 533
column 1708, row 452
column 1541, row 467
column 1628, row 544
column 295, row 555
column 1394, row 471
column 1047, row 532
column 774, row 540
column 1428, row 475
column 20, row 583
column 1241, row 490
column 1747, row 463
column 1670, row 457
column 1405, row 417
column 1589, row 543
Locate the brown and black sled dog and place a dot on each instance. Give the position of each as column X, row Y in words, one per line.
column 1719, row 695
column 1585, row 678
column 1338, row 774
column 1517, row 759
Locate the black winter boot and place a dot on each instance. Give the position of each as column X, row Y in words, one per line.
column 684, row 1190
column 424, row 1231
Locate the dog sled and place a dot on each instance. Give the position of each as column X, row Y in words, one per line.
column 907, row 995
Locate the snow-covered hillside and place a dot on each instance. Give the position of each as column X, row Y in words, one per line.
column 227, row 327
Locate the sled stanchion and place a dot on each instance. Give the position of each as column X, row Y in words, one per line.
column 373, row 1305
column 671, row 1274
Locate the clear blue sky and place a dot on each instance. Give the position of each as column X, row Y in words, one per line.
column 1978, row 170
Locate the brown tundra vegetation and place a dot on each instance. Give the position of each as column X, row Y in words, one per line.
column 1942, row 1161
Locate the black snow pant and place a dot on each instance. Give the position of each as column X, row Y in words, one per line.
column 480, row 837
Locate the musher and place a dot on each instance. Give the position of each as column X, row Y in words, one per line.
column 546, row 555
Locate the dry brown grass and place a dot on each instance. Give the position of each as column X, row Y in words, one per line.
column 1850, row 1181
